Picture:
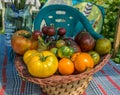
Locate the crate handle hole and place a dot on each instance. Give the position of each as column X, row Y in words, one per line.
column 70, row 17
column 50, row 16
column 60, row 20
column 60, row 12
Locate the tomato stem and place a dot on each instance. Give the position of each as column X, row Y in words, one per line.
column 43, row 58
column 41, row 44
column 25, row 35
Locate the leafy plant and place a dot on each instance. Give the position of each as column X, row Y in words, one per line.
column 42, row 2
column 111, row 14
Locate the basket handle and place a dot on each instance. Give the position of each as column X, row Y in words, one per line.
column 79, row 15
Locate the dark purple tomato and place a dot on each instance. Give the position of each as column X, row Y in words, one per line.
column 50, row 31
column 61, row 31
column 44, row 29
column 35, row 34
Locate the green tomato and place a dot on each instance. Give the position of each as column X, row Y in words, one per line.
column 95, row 56
column 54, row 50
column 65, row 51
column 60, row 43
column 117, row 60
column 103, row 46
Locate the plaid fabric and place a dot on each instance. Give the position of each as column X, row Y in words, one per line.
column 105, row 82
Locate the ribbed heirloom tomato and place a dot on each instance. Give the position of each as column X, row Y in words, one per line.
column 43, row 64
column 29, row 54
column 74, row 56
column 21, row 41
column 83, row 61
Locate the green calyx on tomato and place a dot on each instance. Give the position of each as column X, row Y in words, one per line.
column 65, row 51
column 25, row 35
column 43, row 58
column 42, row 46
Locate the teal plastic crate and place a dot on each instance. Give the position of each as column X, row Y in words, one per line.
column 63, row 16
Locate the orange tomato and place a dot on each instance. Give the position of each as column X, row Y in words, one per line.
column 83, row 61
column 65, row 66
column 74, row 56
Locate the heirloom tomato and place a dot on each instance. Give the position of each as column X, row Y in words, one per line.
column 36, row 34
column 83, row 61
column 54, row 50
column 65, row 51
column 29, row 54
column 74, row 56
column 61, row 31
column 85, row 41
column 65, row 66
column 95, row 56
column 21, row 41
column 43, row 65
column 103, row 46
column 60, row 43
column 73, row 44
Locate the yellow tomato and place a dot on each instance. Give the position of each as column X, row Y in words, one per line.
column 43, row 65
column 28, row 54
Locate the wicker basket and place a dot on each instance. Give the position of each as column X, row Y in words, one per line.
column 67, row 17
column 61, row 85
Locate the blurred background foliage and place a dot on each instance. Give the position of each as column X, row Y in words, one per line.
column 112, row 8
column 111, row 14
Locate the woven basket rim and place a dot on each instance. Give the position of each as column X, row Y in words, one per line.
column 57, row 79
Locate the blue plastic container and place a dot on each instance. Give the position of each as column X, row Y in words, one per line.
column 63, row 16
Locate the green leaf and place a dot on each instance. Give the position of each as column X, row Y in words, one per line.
column 117, row 60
